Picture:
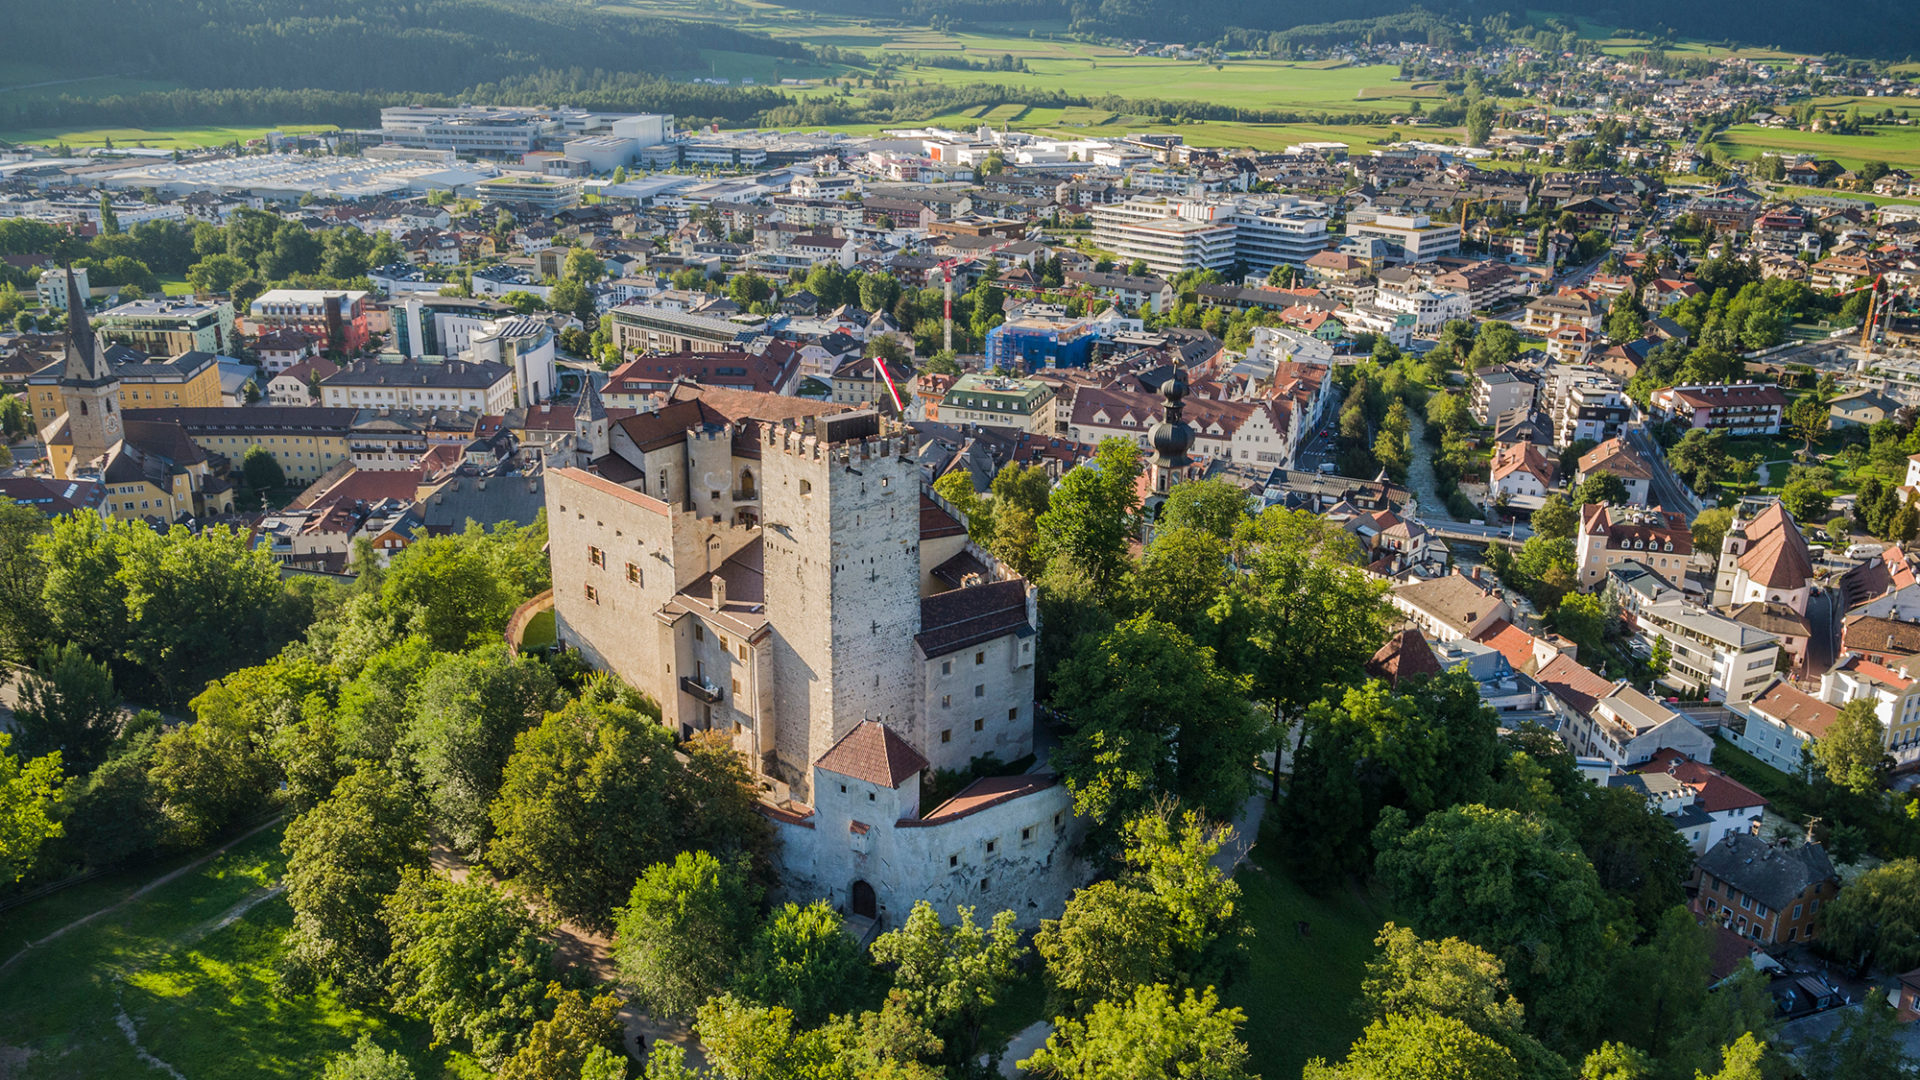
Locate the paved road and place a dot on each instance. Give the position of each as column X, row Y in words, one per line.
column 1666, row 490
column 1823, row 647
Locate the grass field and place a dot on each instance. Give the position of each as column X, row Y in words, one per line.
column 160, row 138
column 192, row 966
column 1893, row 145
column 1299, row 993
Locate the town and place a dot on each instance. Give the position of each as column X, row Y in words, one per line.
column 558, row 592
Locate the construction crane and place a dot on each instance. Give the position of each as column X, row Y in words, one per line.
column 946, row 278
column 1879, row 308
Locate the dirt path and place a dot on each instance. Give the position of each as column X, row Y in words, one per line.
column 578, row 947
column 163, row 879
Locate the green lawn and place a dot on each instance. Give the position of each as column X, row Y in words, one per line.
column 200, row 994
column 1300, row 992
column 167, row 138
column 1893, row 145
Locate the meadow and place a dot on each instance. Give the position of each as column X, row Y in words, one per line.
column 189, row 969
column 1899, row 146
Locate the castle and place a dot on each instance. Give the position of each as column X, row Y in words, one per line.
column 775, row 569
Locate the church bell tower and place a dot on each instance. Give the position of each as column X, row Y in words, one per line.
column 87, row 382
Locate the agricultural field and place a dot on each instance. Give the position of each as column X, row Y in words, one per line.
column 156, row 138
column 1894, row 145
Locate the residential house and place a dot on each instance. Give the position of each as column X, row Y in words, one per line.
column 1782, row 723
column 1449, row 608
column 1769, row 892
column 1613, row 721
column 1618, row 458
column 1497, row 390
column 1895, row 694
column 1609, row 535
column 1522, row 476
column 1861, row 408
column 1703, row 803
column 1735, row 408
column 1710, row 654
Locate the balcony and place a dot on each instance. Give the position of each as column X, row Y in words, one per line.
column 701, row 688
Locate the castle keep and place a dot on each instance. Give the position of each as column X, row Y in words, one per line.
column 774, row 569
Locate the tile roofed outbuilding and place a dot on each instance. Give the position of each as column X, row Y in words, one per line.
column 873, row 753
column 1404, row 656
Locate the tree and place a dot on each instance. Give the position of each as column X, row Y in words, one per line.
column 1171, row 918
column 25, row 323
column 949, row 976
column 28, row 791
column 940, row 363
column 1150, row 713
column 680, row 937
column 1419, row 1048
column 1700, row 457
column 574, row 298
column 1583, row 618
column 450, row 588
column 217, row 274
column 468, row 959
column 469, row 709
column 1218, row 507
column 1602, row 487
column 1455, row 980
column 803, row 959
column 209, row 775
column 1151, row 1035
column 584, row 266
column 1867, row 1045
column 1303, row 617
column 1623, row 318
column 1852, row 753
column 344, row 857
column 1809, row 417
column 1449, row 412
column 1616, row 1061
column 1806, row 499
column 1740, row 1060
column 558, row 1048
column 1420, row 749
column 1513, row 886
column 1090, row 514
column 367, row 1061
column 16, row 421
column 67, row 703
column 1876, row 919
column 1710, row 528
column 1556, row 518
column 1180, row 576
column 1480, row 117
column 109, row 221
column 583, row 805
column 262, row 469
column 1496, row 343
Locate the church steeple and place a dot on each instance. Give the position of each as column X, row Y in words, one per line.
column 1172, row 438
column 85, row 364
column 89, row 387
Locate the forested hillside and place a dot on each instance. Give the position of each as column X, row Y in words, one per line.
column 357, row 45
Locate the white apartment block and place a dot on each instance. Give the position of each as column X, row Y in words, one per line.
column 1171, row 235
column 1411, row 238
column 1895, row 695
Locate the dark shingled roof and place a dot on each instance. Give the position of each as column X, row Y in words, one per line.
column 874, row 754
column 935, row 522
column 961, row 618
column 1773, row 876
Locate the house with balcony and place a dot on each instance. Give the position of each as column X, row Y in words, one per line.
column 1735, row 408
column 1702, row 803
column 1782, row 723
column 1613, row 721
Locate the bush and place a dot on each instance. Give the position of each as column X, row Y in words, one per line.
column 1462, row 507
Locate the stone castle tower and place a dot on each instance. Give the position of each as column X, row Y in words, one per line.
column 841, row 537
column 590, row 436
column 88, row 384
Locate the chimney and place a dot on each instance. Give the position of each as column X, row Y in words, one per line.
column 719, row 591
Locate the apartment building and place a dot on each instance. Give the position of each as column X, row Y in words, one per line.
column 1593, row 408
column 1614, row 721
column 1410, row 238
column 1449, row 608
column 1171, row 235
column 1782, row 723
column 640, row 329
column 1611, row 535
column 1735, row 408
column 170, row 326
column 337, row 317
column 999, row 402
column 1895, row 695
column 1550, row 313
column 1152, row 293
column 305, row 440
column 420, row 385
column 1618, row 459
column 1497, row 390
column 1770, row 893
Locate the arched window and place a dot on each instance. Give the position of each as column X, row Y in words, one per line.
column 746, row 484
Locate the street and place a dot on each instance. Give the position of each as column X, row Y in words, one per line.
column 1666, row 491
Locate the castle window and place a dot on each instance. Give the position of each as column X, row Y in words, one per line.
column 946, row 735
column 946, row 667
column 699, row 632
column 980, row 658
column 593, row 595
column 979, row 723
column 634, row 575
column 806, row 487
column 985, row 884
column 980, row 690
column 597, row 557
column 1026, row 834
column 843, row 789
column 953, row 861
column 1013, row 713
column 743, row 650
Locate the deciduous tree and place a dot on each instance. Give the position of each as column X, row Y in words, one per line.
column 1852, row 753
column 467, row 958
column 470, row 708
column 802, row 958
column 1151, row 1035
column 1876, row 918
column 949, row 976
column 680, row 937
column 558, row 1047
column 344, row 858
column 28, row 791
column 67, row 703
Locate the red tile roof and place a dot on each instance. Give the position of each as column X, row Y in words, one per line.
column 1405, row 655
column 982, row 793
column 1511, row 642
column 1580, row 688
column 1715, row 790
column 1776, row 555
column 874, row 754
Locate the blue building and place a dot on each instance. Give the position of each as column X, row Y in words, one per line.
column 1029, row 343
